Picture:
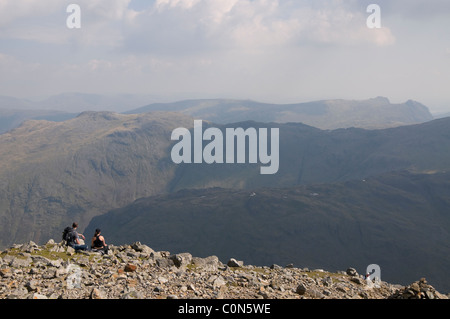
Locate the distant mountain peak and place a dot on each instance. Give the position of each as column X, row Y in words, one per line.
column 382, row 99
column 105, row 115
column 374, row 113
column 414, row 103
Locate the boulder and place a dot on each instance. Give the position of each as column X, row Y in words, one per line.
column 301, row 289
column 234, row 263
column 352, row 272
column 130, row 268
column 210, row 263
column 181, row 260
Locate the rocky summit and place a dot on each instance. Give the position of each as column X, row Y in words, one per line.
column 136, row 271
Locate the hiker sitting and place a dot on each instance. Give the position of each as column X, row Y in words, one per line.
column 98, row 242
column 74, row 239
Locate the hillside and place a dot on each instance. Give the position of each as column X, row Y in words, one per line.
column 136, row 271
column 327, row 114
column 53, row 173
column 399, row 221
column 310, row 155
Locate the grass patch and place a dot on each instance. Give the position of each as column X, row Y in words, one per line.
column 52, row 255
column 258, row 270
column 322, row 275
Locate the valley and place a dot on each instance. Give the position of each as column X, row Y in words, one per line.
column 340, row 196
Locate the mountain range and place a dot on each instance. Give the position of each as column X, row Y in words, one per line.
column 373, row 113
column 55, row 172
column 96, row 163
column 14, row 111
column 75, row 102
column 326, row 114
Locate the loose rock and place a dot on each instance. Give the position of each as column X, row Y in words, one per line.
column 55, row 271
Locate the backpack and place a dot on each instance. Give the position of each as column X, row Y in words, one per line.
column 67, row 235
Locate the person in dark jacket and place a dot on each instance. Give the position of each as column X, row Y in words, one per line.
column 98, row 242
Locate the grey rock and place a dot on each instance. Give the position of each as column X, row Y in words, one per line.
column 164, row 262
column 137, row 246
column 234, row 263
column 6, row 273
column 327, row 281
column 40, row 260
column 357, row 280
column 315, row 294
column 217, row 281
column 20, row 262
column 352, row 272
column 158, row 289
column 210, row 263
column 97, row 276
column 132, row 295
column 97, row 294
column 429, row 295
column 301, row 289
column 70, row 251
column 275, row 266
column 181, row 260
column 32, row 285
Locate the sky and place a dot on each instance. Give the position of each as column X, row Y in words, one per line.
column 277, row 51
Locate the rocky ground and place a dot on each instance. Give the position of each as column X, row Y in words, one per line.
column 54, row 271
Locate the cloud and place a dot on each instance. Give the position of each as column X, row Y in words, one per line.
column 174, row 27
column 414, row 9
column 13, row 10
column 44, row 21
column 177, row 26
column 241, row 48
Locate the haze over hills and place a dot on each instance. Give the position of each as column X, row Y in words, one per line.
column 399, row 221
column 75, row 102
column 441, row 115
column 12, row 118
column 14, row 111
column 310, row 155
column 327, row 114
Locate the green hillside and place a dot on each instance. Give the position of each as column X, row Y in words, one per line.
column 55, row 173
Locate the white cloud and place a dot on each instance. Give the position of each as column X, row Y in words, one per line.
column 192, row 24
column 184, row 4
column 13, row 10
column 175, row 27
column 247, row 48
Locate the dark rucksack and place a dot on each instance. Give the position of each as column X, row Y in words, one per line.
column 67, row 235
